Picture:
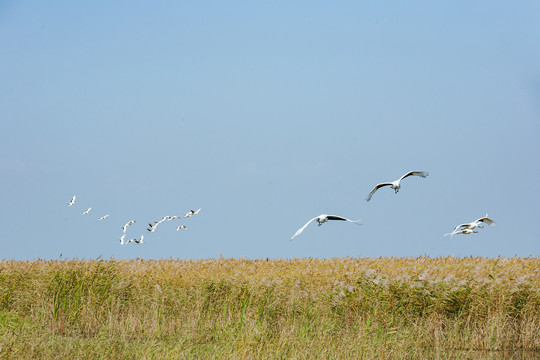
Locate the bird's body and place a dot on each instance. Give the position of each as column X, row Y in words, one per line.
column 396, row 185
column 321, row 219
column 72, row 201
column 85, row 212
column 129, row 223
column 104, row 217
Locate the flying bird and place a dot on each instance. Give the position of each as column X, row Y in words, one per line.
column 129, row 223
column 396, row 185
column 86, row 211
column 72, row 201
column 181, row 227
column 468, row 228
column 153, row 227
column 137, row 241
column 104, row 217
column 476, row 223
column 122, row 242
column 465, row 231
column 192, row 212
column 321, row 219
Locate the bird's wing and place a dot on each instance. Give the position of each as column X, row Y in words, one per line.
column 414, row 173
column 299, row 231
column 336, row 217
column 486, row 220
column 377, row 188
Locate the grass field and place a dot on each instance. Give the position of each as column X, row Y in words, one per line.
column 372, row 308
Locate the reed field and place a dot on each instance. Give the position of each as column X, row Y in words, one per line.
column 341, row 308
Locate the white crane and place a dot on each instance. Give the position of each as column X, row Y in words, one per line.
column 152, row 228
column 181, row 227
column 192, row 212
column 136, row 241
column 129, row 223
column 476, row 223
column 396, row 185
column 321, row 219
column 104, row 217
column 122, row 238
column 72, row 201
column 464, row 231
column 85, row 212
column 468, row 228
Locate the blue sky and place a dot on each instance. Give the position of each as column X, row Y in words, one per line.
column 265, row 115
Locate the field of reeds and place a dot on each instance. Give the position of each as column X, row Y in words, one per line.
column 342, row 308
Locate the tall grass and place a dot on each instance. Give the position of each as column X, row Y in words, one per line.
column 303, row 308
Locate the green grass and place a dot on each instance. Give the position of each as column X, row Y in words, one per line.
column 385, row 308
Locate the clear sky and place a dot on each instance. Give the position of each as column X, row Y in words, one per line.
column 265, row 115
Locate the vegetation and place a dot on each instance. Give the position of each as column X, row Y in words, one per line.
column 395, row 308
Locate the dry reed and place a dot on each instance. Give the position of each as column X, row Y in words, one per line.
column 302, row 308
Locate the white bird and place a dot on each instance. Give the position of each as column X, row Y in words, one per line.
column 476, row 223
column 129, row 223
column 192, row 212
column 86, row 211
column 122, row 242
column 321, row 219
column 152, row 228
column 104, row 217
column 137, row 241
column 465, row 231
column 181, row 227
column 72, row 201
column 396, row 185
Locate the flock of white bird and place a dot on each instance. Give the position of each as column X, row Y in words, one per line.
column 152, row 227
column 465, row 229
